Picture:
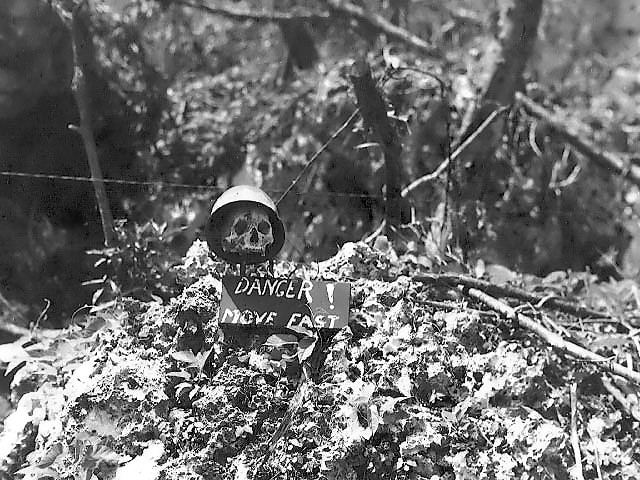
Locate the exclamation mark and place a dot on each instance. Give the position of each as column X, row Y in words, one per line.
column 330, row 289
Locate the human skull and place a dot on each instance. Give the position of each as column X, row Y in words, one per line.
column 248, row 232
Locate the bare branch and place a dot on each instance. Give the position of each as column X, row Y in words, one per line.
column 575, row 439
column 256, row 16
column 606, row 160
column 509, row 291
column 383, row 25
column 458, row 151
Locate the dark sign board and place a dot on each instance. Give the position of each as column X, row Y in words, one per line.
column 284, row 302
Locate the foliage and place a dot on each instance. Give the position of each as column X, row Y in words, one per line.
column 406, row 391
column 137, row 266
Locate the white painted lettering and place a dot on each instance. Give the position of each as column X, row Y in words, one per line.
column 295, row 319
column 271, row 284
column 305, row 289
column 291, row 290
column 281, row 288
column 242, row 286
column 227, row 314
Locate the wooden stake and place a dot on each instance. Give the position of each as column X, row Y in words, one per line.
column 79, row 89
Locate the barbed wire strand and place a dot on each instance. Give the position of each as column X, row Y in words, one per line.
column 160, row 183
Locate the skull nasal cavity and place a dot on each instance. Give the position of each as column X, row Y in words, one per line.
column 254, row 235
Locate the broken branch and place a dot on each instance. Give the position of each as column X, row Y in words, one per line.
column 552, row 338
column 381, row 24
column 509, row 291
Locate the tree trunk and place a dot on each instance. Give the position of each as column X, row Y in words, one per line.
column 301, row 49
column 508, row 55
column 374, row 114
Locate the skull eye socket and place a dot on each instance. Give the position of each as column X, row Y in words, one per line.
column 264, row 227
column 240, row 226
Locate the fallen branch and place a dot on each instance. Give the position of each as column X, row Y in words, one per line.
column 554, row 339
column 509, row 291
column 238, row 14
column 381, row 24
column 606, row 160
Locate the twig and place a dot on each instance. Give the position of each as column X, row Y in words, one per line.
column 575, row 439
column 453, row 306
column 509, row 291
column 42, row 316
column 596, row 453
column 442, row 167
column 606, row 160
column 294, row 406
column 237, row 14
column 381, row 24
column 317, row 154
column 552, row 338
column 456, row 153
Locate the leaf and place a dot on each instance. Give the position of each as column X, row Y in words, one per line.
column 375, row 420
column 50, row 456
column 305, row 348
column 404, row 384
column 300, row 329
column 96, row 295
column 280, row 340
column 145, row 466
column 102, row 453
column 610, row 342
column 103, row 306
column 186, row 356
column 36, row 473
column 500, row 274
column 181, row 387
column 366, row 145
column 11, row 352
column 202, row 357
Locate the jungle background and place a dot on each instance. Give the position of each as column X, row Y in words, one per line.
column 207, row 97
column 506, row 150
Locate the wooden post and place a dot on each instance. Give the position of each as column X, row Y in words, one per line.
column 79, row 88
column 374, row 113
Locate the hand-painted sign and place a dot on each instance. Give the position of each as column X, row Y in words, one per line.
column 284, row 302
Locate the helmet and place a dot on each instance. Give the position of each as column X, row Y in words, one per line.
column 244, row 226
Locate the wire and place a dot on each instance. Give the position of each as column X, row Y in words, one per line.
column 317, row 154
column 158, row 183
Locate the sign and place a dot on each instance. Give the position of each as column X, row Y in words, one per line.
column 284, row 302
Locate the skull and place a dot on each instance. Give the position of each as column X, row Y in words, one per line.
column 248, row 231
